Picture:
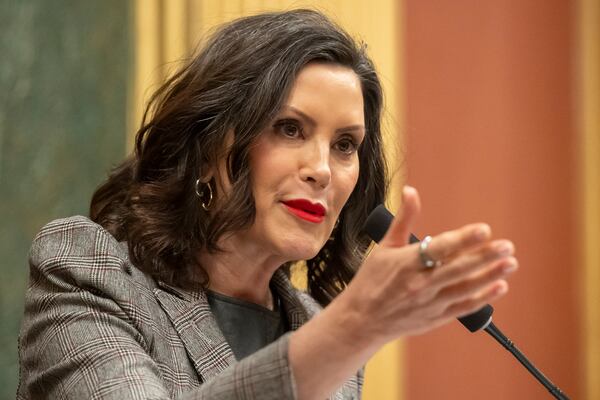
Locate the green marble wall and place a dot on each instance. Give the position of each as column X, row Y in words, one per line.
column 64, row 69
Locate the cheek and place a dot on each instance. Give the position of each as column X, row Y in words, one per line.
column 268, row 170
column 346, row 183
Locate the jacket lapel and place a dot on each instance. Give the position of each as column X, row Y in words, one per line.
column 300, row 307
column 295, row 311
column 204, row 343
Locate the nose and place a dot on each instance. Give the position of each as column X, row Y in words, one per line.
column 315, row 166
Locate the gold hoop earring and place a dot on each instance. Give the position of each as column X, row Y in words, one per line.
column 202, row 194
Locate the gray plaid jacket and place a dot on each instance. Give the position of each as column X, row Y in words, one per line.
column 96, row 327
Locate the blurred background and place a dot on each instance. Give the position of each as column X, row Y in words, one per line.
column 492, row 112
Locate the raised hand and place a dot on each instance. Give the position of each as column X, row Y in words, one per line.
column 397, row 295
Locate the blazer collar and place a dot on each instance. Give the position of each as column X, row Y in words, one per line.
column 196, row 326
column 295, row 311
column 190, row 314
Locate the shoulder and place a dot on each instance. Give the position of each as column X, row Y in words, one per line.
column 74, row 236
column 78, row 251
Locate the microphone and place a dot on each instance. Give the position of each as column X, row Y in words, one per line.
column 376, row 226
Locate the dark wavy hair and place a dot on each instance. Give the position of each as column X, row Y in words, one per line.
column 236, row 83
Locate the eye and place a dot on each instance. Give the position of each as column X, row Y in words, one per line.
column 288, row 128
column 346, row 145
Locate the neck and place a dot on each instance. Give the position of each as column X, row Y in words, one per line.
column 241, row 270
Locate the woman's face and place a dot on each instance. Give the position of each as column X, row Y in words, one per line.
column 305, row 164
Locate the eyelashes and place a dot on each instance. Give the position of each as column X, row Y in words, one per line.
column 288, row 128
column 346, row 143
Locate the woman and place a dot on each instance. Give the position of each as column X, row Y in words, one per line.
column 265, row 149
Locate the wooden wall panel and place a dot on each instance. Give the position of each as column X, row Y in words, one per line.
column 588, row 108
column 491, row 137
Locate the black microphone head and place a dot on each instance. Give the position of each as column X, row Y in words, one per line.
column 378, row 222
column 479, row 319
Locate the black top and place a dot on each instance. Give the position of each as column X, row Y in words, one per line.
column 248, row 327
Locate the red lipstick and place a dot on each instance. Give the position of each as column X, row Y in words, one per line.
column 306, row 210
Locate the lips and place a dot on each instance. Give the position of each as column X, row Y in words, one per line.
column 306, row 210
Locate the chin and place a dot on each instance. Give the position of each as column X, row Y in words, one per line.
column 301, row 249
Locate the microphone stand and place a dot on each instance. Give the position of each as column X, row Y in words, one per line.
column 510, row 346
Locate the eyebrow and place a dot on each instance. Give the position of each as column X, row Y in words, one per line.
column 313, row 122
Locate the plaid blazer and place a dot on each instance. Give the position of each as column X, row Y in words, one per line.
column 96, row 327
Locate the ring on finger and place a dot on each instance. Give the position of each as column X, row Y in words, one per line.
column 426, row 259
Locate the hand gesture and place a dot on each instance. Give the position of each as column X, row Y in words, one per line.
column 394, row 294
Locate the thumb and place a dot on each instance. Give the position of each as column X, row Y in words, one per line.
column 399, row 231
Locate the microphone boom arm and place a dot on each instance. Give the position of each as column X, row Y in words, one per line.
column 510, row 346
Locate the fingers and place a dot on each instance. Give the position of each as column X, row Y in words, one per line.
column 467, row 263
column 399, row 231
column 446, row 245
column 465, row 289
column 462, row 252
column 474, row 278
column 488, row 295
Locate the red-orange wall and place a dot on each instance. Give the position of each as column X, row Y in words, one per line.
column 491, row 137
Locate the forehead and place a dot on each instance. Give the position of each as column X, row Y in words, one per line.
column 329, row 90
column 338, row 77
column 326, row 70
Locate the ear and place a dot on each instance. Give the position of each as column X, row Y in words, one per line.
column 206, row 176
column 209, row 168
